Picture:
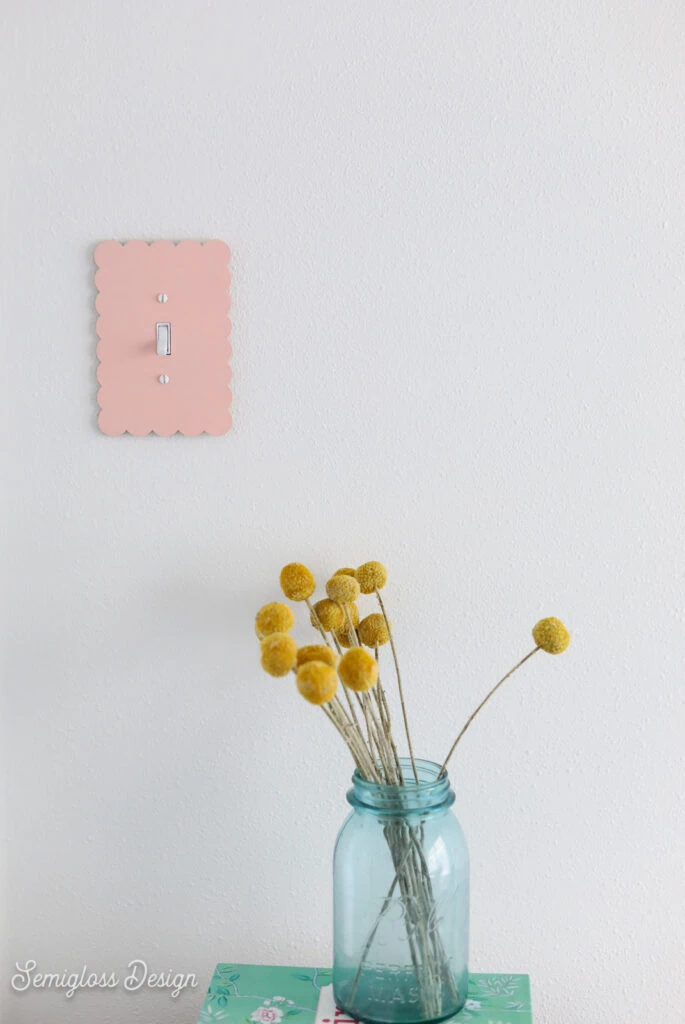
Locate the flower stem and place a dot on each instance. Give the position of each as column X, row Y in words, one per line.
column 331, row 717
column 399, row 685
column 317, row 620
column 482, row 704
column 354, row 739
column 382, row 727
column 319, row 626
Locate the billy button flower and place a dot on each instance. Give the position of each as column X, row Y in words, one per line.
column 358, row 669
column 551, row 635
column 317, row 682
column 373, row 631
column 343, row 589
column 317, row 652
column 297, row 582
column 371, row 576
column 273, row 618
column 329, row 614
column 344, row 572
column 279, row 653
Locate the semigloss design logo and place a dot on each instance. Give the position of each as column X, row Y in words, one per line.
column 69, row 982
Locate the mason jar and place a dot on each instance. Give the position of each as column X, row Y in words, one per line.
column 401, row 901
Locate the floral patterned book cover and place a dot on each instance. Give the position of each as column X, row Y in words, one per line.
column 250, row 994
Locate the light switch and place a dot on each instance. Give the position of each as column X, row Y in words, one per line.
column 135, row 350
column 163, row 339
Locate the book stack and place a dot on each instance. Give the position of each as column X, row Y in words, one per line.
column 253, row 994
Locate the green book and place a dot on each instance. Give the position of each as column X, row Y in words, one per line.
column 251, row 994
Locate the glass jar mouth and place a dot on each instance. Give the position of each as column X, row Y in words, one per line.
column 432, row 789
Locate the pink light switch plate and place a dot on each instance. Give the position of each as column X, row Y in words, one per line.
column 187, row 287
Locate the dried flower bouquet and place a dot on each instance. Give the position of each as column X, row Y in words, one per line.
column 341, row 676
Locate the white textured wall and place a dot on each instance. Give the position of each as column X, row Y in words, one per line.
column 458, row 233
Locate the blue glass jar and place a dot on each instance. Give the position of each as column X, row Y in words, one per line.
column 401, row 902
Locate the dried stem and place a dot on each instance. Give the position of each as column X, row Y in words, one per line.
column 332, row 718
column 384, row 711
column 399, row 685
column 381, row 740
column 386, row 750
column 355, row 741
column 482, row 704
column 382, row 699
column 354, row 635
column 377, row 743
column 317, row 620
column 321, row 630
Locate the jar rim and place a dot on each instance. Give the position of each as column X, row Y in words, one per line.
column 433, row 789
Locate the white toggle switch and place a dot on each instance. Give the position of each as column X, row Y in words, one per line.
column 163, row 339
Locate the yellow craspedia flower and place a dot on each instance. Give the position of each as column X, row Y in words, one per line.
column 330, row 615
column 279, row 652
column 342, row 589
column 371, row 576
column 358, row 669
column 345, row 638
column 344, row 572
column 273, row 618
column 373, row 631
column 551, row 635
column 317, row 652
column 317, row 682
column 297, row 582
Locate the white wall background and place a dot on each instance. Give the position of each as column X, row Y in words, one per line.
column 459, row 340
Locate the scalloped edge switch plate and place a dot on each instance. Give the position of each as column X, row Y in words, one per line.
column 164, row 337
